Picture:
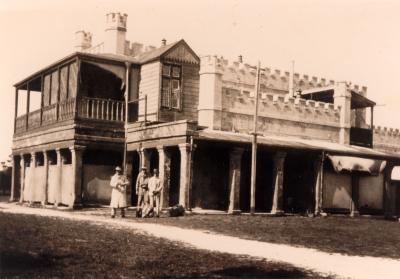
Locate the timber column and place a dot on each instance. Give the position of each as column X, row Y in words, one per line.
column 389, row 198
column 355, row 193
column 46, row 177
column 58, row 193
column 235, row 165
column 13, row 193
column 164, row 168
column 277, row 202
column 184, row 185
column 76, row 190
column 22, row 164
column 318, row 170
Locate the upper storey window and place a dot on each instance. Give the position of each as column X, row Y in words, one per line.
column 171, row 86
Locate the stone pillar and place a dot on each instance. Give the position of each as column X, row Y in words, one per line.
column 342, row 99
column 319, row 171
column 277, row 202
column 389, row 197
column 355, row 185
column 184, row 185
column 144, row 155
column 46, row 177
column 13, row 193
column 58, row 188
column 235, row 165
column 22, row 164
column 164, row 167
column 76, row 190
column 32, row 181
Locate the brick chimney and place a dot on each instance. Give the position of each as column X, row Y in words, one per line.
column 115, row 33
column 83, row 40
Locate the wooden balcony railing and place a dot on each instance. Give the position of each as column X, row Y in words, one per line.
column 85, row 108
column 102, row 109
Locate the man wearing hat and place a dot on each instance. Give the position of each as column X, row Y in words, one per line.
column 118, row 184
column 155, row 188
column 141, row 189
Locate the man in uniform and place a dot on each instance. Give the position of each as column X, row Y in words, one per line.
column 118, row 184
column 155, row 188
column 141, row 189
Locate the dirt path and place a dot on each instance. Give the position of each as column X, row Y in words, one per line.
column 341, row 265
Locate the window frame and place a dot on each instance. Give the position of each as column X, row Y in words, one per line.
column 171, row 78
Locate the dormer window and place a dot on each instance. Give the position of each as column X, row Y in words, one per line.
column 171, row 86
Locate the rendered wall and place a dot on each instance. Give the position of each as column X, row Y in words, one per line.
column 336, row 190
column 34, row 184
column 371, row 191
column 387, row 139
column 53, row 184
column 67, row 186
column 96, row 183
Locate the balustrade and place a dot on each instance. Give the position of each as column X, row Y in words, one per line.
column 102, row 109
column 87, row 108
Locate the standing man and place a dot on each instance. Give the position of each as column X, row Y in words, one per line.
column 155, row 188
column 141, row 189
column 118, row 184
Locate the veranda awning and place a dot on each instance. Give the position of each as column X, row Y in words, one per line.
column 348, row 163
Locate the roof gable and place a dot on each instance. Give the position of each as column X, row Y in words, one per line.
column 181, row 52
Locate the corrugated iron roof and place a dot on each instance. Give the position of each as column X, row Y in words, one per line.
column 297, row 143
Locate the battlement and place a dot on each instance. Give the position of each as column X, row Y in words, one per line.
column 116, row 21
column 239, row 73
column 280, row 106
column 385, row 131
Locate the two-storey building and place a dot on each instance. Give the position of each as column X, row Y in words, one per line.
column 120, row 103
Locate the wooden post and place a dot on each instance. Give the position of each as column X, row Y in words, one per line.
column 58, row 94
column 126, row 95
column 372, row 126
column 28, row 100
column 254, row 148
column 235, row 165
column 319, row 172
column 41, row 99
column 78, row 85
column 277, row 202
column 16, row 110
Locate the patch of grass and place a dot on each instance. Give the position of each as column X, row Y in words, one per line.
column 339, row 234
column 37, row 247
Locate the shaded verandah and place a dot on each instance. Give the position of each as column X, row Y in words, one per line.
column 290, row 176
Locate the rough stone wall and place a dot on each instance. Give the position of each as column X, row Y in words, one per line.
column 279, row 115
column 386, row 139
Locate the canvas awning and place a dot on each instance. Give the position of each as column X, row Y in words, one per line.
column 396, row 173
column 351, row 164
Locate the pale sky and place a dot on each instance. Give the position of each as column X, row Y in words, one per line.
column 357, row 41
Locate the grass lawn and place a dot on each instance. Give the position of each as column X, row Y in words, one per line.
column 341, row 234
column 43, row 247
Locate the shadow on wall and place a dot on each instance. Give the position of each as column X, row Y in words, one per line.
column 96, row 183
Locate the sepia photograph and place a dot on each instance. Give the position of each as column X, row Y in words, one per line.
column 200, row 139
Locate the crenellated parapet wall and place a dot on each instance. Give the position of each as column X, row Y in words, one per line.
column 241, row 75
column 279, row 115
column 387, row 139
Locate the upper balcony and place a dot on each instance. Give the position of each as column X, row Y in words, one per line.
column 79, row 89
